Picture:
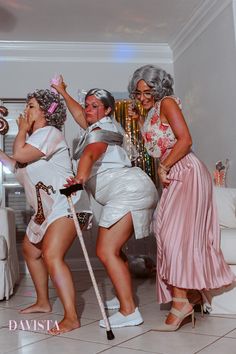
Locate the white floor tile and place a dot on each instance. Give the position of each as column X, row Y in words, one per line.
column 94, row 333
column 118, row 350
column 208, row 325
column 10, row 314
column 11, row 340
column 169, row 343
column 48, row 321
column 16, row 301
column 61, row 345
column 222, row 346
column 231, row 334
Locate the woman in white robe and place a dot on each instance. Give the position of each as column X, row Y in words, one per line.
column 41, row 163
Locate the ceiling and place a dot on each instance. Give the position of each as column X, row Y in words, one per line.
column 123, row 21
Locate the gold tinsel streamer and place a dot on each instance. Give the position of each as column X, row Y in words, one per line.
column 144, row 161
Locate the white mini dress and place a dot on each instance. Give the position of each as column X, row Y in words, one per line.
column 43, row 179
column 120, row 188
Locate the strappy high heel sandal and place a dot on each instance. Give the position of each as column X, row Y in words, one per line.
column 195, row 299
column 180, row 314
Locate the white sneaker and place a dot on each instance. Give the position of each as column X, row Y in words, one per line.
column 112, row 304
column 118, row 320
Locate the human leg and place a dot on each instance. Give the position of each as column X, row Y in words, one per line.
column 33, row 257
column 109, row 244
column 114, row 303
column 58, row 239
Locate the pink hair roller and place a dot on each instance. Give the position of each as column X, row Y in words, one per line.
column 52, row 108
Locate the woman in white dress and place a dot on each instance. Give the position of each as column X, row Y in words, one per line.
column 41, row 163
column 127, row 195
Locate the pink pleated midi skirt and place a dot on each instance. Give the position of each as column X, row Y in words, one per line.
column 188, row 233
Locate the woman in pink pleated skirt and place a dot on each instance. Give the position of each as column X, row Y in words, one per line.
column 186, row 223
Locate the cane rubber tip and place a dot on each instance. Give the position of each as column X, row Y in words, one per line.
column 110, row 335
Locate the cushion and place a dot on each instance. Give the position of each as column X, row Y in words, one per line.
column 228, row 245
column 226, row 206
column 3, row 248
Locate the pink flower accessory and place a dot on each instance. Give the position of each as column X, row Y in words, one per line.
column 52, row 107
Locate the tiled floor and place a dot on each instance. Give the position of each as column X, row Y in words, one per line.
column 212, row 334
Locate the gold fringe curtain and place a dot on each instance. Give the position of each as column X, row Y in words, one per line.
column 144, row 161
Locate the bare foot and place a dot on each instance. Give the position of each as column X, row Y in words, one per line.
column 36, row 308
column 64, row 326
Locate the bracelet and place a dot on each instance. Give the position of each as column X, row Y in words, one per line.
column 163, row 167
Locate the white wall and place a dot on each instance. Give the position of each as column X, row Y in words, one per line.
column 205, row 76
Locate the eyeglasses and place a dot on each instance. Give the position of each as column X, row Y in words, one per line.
column 138, row 94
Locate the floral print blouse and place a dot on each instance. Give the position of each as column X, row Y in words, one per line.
column 158, row 136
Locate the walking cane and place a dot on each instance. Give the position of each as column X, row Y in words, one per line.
column 67, row 192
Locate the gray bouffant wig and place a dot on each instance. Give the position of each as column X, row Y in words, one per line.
column 52, row 105
column 104, row 96
column 158, row 79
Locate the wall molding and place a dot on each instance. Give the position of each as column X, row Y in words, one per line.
column 200, row 20
column 29, row 51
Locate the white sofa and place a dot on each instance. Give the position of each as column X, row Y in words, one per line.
column 9, row 265
column 224, row 301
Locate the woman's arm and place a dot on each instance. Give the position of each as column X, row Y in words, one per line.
column 74, row 107
column 171, row 113
column 90, row 155
column 7, row 161
column 23, row 152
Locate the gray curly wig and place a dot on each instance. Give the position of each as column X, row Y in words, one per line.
column 45, row 99
column 104, row 96
column 158, row 79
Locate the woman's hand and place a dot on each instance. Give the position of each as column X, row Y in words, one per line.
column 133, row 111
column 163, row 175
column 72, row 180
column 60, row 86
column 23, row 124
